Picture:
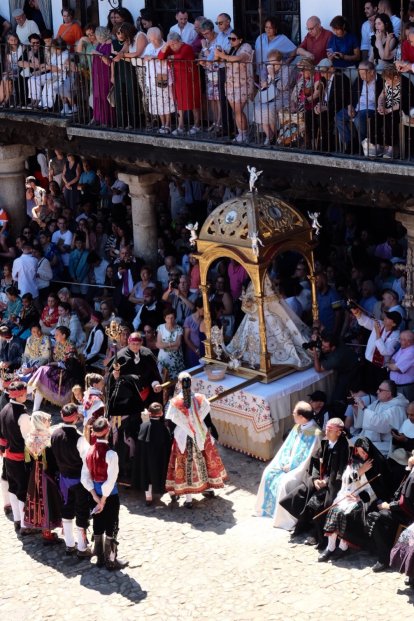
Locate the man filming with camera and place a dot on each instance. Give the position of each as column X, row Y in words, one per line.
column 179, row 296
column 332, row 356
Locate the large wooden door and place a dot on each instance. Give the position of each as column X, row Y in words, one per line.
column 287, row 12
column 164, row 11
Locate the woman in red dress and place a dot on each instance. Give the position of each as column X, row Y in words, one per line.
column 187, row 91
column 195, row 465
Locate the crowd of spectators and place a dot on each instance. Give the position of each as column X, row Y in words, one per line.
column 336, row 91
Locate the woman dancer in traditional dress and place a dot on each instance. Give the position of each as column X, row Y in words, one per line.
column 195, row 465
column 42, row 507
column 346, row 520
column 36, row 353
column 288, row 467
column 54, row 381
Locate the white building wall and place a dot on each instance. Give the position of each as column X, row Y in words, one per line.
column 212, row 8
column 324, row 9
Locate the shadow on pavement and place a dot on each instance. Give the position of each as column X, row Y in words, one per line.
column 208, row 514
column 91, row 577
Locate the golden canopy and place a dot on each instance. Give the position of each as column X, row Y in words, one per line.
column 251, row 230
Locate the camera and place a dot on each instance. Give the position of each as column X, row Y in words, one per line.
column 173, row 284
column 350, row 401
column 350, row 305
column 315, row 344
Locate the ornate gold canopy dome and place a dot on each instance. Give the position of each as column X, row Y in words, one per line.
column 267, row 218
column 251, row 230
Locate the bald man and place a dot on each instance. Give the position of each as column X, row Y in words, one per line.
column 401, row 366
column 315, row 43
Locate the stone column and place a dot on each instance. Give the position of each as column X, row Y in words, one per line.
column 406, row 217
column 12, row 188
column 143, row 192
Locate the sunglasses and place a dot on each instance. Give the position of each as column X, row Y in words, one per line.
column 232, row 38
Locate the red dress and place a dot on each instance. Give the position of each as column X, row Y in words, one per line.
column 192, row 469
column 186, row 77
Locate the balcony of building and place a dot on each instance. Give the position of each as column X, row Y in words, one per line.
column 316, row 132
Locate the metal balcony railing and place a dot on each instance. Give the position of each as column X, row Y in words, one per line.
column 360, row 113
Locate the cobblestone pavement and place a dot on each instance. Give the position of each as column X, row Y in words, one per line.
column 213, row 562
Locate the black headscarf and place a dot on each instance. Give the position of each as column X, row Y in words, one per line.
column 382, row 485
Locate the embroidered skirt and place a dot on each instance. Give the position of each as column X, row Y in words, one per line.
column 195, row 471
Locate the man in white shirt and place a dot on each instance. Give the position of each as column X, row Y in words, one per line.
column 367, row 28
column 24, row 272
column 25, row 27
column 184, row 28
column 63, row 240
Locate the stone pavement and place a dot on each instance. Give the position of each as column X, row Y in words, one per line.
column 214, row 562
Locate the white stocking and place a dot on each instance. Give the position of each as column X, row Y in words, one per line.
column 343, row 545
column 148, row 493
column 5, row 493
column 15, row 507
column 188, row 498
column 81, row 539
column 68, row 535
column 21, row 511
column 332, row 542
column 37, row 401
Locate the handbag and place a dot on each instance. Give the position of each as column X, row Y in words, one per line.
column 265, row 95
column 161, row 80
column 111, row 97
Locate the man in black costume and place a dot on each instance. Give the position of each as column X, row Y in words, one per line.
column 14, row 426
column 132, row 386
column 321, row 486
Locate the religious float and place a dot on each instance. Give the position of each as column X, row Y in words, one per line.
column 254, row 380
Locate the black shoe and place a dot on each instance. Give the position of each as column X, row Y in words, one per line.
column 310, row 541
column 208, row 494
column 325, row 556
column 339, row 553
column 379, row 567
column 409, row 581
column 188, row 504
column 148, row 503
column 70, row 550
column 17, row 527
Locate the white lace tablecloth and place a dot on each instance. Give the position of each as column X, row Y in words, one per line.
column 260, row 407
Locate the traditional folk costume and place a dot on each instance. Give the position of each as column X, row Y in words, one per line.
column 152, row 455
column 14, row 427
column 54, row 383
column 402, row 554
column 96, row 344
column 383, row 526
column 99, row 475
column 69, row 447
column 43, row 500
column 128, row 396
column 305, row 501
column 36, row 354
column 195, row 465
column 347, row 519
column 286, row 470
column 4, row 400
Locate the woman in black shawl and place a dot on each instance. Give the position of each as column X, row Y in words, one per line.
column 367, row 471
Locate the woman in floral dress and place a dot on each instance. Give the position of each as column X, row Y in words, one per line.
column 169, row 337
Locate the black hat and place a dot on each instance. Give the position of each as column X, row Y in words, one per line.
column 395, row 316
column 318, row 395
